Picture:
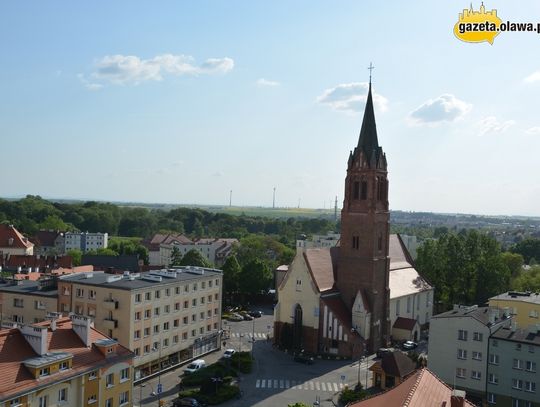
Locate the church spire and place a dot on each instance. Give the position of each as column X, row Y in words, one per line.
column 368, row 141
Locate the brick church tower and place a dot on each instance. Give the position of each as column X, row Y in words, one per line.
column 363, row 265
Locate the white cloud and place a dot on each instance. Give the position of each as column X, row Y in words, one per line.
column 130, row 69
column 533, row 131
column 445, row 108
column 534, row 77
column 87, row 84
column 351, row 97
column 266, row 82
column 490, row 125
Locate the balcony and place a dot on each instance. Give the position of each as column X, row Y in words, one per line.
column 110, row 323
column 110, row 304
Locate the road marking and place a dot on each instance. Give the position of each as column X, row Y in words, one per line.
column 263, row 383
column 311, row 386
column 281, row 384
column 287, row 384
column 275, row 383
column 293, row 384
column 317, row 386
column 258, row 384
column 323, row 386
column 335, row 387
column 329, row 386
column 341, row 386
column 306, row 386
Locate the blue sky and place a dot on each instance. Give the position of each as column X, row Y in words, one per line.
column 181, row 102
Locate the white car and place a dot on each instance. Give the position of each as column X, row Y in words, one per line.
column 228, row 353
column 195, row 366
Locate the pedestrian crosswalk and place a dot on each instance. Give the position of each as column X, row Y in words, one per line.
column 298, row 385
column 258, row 335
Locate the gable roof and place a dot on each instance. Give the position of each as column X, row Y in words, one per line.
column 396, row 364
column 339, row 310
column 8, row 232
column 46, row 238
column 422, row 388
column 321, row 264
column 405, row 323
column 398, row 253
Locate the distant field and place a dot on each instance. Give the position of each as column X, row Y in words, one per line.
column 273, row 213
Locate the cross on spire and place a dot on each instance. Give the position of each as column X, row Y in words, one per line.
column 371, row 68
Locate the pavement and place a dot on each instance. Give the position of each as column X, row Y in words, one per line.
column 276, row 379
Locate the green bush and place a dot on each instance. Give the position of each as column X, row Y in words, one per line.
column 215, row 370
column 188, row 393
column 349, row 395
column 242, row 361
column 225, row 392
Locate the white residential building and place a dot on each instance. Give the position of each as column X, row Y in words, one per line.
column 85, row 241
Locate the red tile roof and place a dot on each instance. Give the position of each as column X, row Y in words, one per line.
column 421, row 389
column 43, row 262
column 46, row 238
column 14, row 350
column 321, row 262
column 8, row 232
column 396, row 364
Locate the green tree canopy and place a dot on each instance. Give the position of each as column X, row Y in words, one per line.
column 255, row 277
column 528, row 248
column 231, row 274
column 176, row 256
column 194, row 258
column 76, row 256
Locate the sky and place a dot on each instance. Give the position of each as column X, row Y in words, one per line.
column 182, row 102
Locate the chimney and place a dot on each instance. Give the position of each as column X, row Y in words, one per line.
column 457, row 399
column 513, row 326
column 82, row 327
column 10, row 241
column 53, row 317
column 36, row 336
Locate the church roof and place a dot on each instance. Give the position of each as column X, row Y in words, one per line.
column 367, row 140
column 339, row 310
column 399, row 255
column 320, row 262
column 407, row 324
column 395, row 364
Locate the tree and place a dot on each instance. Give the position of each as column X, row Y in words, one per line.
column 176, row 257
column 529, row 280
column 514, row 262
column 76, row 257
column 194, row 258
column 528, row 248
column 231, row 275
column 104, row 251
column 255, row 277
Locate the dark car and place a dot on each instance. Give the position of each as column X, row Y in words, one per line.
column 256, row 314
column 383, row 351
column 303, row 358
column 187, row 402
column 408, row 345
column 246, row 316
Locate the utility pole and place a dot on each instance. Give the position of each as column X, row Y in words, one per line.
column 274, row 199
column 230, row 198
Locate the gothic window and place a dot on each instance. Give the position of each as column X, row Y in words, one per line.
column 356, row 242
column 363, row 192
column 378, row 189
column 379, row 243
column 356, row 190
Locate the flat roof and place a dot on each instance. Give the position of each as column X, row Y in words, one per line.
column 102, row 279
column 519, row 335
column 27, row 287
column 530, row 297
column 47, row 359
column 481, row 314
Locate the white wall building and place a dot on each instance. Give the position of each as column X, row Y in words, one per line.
column 85, row 241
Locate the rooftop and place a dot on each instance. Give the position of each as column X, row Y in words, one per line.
column 487, row 316
column 11, row 238
column 135, row 281
column 28, row 287
column 396, row 364
column 527, row 296
column 529, row 336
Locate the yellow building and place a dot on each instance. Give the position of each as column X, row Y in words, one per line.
column 26, row 301
column 63, row 361
column 523, row 306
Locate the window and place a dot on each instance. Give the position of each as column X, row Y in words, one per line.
column 531, row 349
column 494, row 359
column 156, row 329
column 194, row 302
column 209, row 314
column 477, row 355
column 201, row 315
column 156, row 311
column 462, row 335
column 518, row 346
column 43, row 401
column 201, row 330
column 146, row 349
column 79, row 292
column 363, row 194
column 175, row 339
column 124, row 374
column 138, row 316
column 62, row 394
column 137, row 352
column 209, row 298
column 92, row 399
column 202, row 300
column 44, row 372
column 461, row 373
column 186, row 304
column 92, row 375
column 17, row 318
column 356, row 190
column 63, row 365
column 356, row 242
column 210, row 284
column 517, row 384
column 495, row 343
column 109, row 403
column 39, row 304
column 217, row 281
column 18, row 302
column 124, row 398
column 533, row 314
column 203, row 284
column 177, row 306
column 92, row 294
column 194, row 286
column 109, row 380
column 530, row 387
column 146, row 332
column 147, row 313
column 215, row 311
column 397, row 307
column 165, row 342
column 166, row 326
column 408, row 304
column 216, row 296
column 137, row 298
column 157, row 294
column 478, row 336
column 184, row 336
column 476, row 375
column 15, row 402
column 137, row 334
column 167, row 309
column 167, row 292
column 517, row 364
column 91, row 311
column 193, row 318
column 186, row 288
column 176, row 323
column 530, row 366
column 493, row 378
column 491, row 398
column 193, row 332
column 185, row 320
column 462, row 354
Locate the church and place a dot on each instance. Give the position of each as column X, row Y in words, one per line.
column 336, row 300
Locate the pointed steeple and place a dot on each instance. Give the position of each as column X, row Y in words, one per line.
column 368, row 141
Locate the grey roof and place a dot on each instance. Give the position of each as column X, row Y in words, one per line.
column 368, row 141
column 27, row 287
column 47, row 359
column 519, row 335
column 481, row 314
column 101, row 278
column 527, row 296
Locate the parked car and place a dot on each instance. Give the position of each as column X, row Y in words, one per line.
column 187, row 402
column 256, row 314
column 383, row 351
column 228, row 353
column 303, row 358
column 246, row 316
column 408, row 345
column 195, row 366
column 235, row 317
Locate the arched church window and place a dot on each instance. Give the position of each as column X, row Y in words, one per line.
column 363, row 192
column 356, row 190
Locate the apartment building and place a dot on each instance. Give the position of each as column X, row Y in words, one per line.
column 523, row 306
column 85, row 241
column 165, row 317
column 514, row 359
column 13, row 242
column 27, row 301
column 63, row 362
column 459, row 346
